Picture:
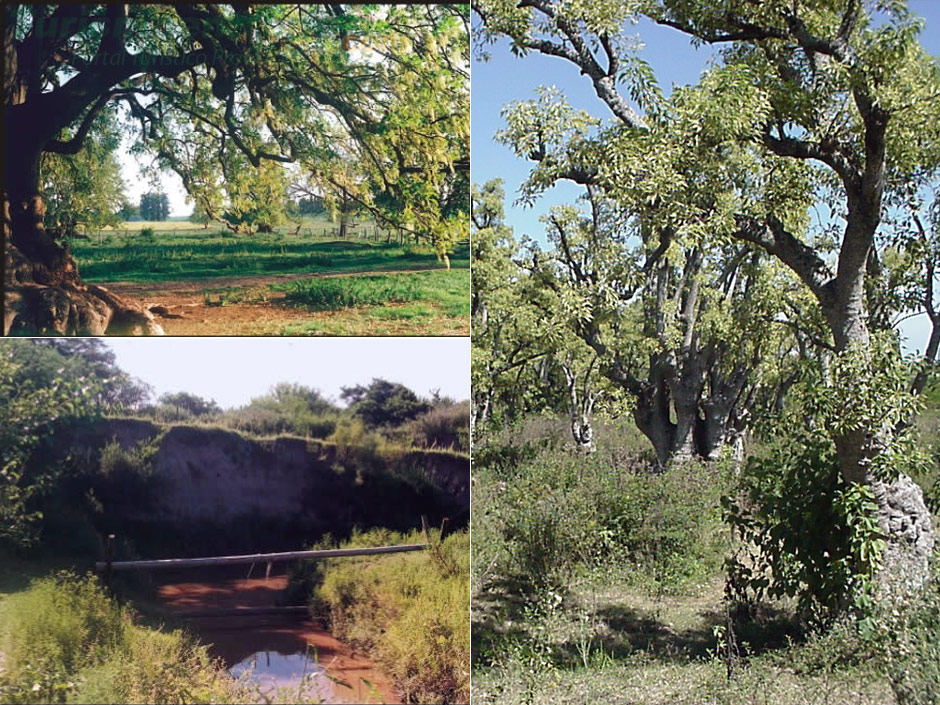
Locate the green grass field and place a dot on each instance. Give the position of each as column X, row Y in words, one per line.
column 169, row 256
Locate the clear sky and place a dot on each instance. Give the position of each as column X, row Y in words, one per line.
column 505, row 78
column 233, row 370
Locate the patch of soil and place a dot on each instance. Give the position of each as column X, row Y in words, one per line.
column 233, row 639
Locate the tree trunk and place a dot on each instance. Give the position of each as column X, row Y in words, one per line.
column 43, row 293
column 652, row 418
column 903, row 515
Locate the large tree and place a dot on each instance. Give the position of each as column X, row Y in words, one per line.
column 279, row 83
column 839, row 96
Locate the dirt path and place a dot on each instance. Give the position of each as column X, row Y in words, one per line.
column 181, row 306
column 235, row 639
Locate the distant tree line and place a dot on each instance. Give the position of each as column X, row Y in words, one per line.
column 154, row 206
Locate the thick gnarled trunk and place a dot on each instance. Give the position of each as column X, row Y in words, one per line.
column 43, row 292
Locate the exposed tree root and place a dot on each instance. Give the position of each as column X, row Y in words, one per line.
column 53, row 300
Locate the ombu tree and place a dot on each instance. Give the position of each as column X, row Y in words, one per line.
column 669, row 310
column 838, row 89
column 274, row 83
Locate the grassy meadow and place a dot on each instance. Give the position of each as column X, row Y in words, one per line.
column 307, row 284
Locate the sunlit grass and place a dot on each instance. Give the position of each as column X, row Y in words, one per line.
column 446, row 289
column 169, row 256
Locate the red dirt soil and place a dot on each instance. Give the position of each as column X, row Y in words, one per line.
column 234, row 639
column 182, row 308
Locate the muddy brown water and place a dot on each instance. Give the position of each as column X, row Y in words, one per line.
column 279, row 649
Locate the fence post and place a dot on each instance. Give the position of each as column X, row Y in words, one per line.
column 108, row 559
column 424, row 529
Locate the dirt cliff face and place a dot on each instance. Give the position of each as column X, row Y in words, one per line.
column 216, row 477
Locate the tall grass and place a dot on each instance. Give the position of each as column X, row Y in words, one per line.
column 410, row 611
column 64, row 640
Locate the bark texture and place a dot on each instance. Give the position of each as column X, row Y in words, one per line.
column 905, row 519
column 43, row 294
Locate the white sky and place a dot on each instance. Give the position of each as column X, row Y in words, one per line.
column 233, row 370
column 135, row 185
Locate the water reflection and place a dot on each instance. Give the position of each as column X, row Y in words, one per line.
column 272, row 671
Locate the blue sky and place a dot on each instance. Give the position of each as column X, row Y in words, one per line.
column 505, row 78
column 233, row 370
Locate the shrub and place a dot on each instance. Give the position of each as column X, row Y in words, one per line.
column 813, row 537
column 148, row 233
column 410, row 610
column 666, row 525
column 58, row 627
column 65, row 640
column 445, row 426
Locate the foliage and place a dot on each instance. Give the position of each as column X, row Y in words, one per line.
column 816, row 538
column 383, row 403
column 617, row 510
column 154, row 206
column 31, row 410
column 815, row 533
column 86, row 188
column 193, row 404
column 447, row 425
column 287, row 408
column 409, row 610
column 65, row 640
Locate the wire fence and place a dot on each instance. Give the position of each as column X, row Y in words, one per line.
column 314, row 232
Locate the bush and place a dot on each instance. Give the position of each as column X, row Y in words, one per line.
column 666, row 525
column 410, row 610
column 813, row 536
column 65, row 640
column 445, row 426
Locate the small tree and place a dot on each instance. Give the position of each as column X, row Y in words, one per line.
column 191, row 403
column 384, row 403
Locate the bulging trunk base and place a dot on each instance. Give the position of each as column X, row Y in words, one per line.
column 911, row 537
column 45, row 296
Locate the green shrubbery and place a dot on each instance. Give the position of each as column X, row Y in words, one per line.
column 410, row 611
column 542, row 514
column 64, row 640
